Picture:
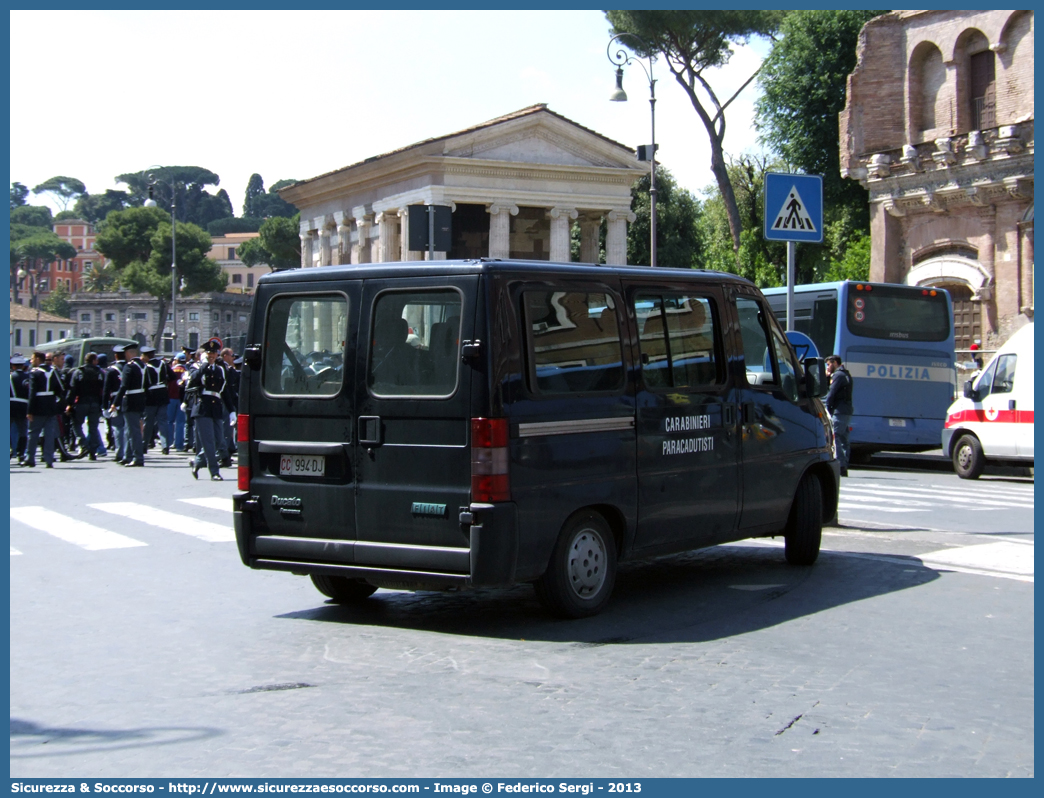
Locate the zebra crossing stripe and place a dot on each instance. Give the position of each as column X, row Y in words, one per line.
column 210, row 503
column 183, row 524
column 1006, row 558
column 86, row 536
column 854, row 492
column 880, row 508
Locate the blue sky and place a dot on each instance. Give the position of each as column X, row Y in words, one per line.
column 297, row 94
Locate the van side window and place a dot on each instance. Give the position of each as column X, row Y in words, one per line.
column 788, row 367
column 756, row 348
column 304, row 345
column 1004, row 380
column 676, row 337
column 415, row 343
column 573, row 342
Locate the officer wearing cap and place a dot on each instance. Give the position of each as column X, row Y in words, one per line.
column 130, row 401
column 175, row 395
column 117, row 425
column 45, row 393
column 85, row 397
column 213, row 405
column 156, row 377
column 19, row 406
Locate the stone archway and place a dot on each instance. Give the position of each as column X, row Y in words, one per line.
column 968, row 284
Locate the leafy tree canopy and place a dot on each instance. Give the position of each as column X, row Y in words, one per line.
column 278, row 246
column 803, row 82
column 255, row 188
column 57, row 302
column 32, row 216
column 63, row 189
column 691, row 42
column 95, row 207
column 18, row 195
column 193, row 203
column 43, row 247
column 63, row 215
column 677, row 211
column 234, row 224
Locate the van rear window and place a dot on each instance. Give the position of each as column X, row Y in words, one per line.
column 415, row 343
column 573, row 339
column 304, row 345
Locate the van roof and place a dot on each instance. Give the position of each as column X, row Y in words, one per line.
column 483, row 266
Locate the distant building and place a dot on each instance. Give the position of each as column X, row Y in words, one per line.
column 241, row 278
column 516, row 185
column 938, row 125
column 126, row 315
column 68, row 273
column 29, row 329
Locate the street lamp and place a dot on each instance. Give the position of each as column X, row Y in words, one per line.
column 36, row 285
column 622, row 58
column 151, row 178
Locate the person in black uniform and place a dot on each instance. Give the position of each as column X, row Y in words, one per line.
column 208, row 411
column 156, row 377
column 839, row 405
column 19, row 407
column 130, row 401
column 228, row 360
column 117, row 425
column 45, row 390
column 85, row 396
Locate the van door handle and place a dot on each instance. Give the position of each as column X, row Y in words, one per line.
column 748, row 413
column 370, row 430
column 728, row 415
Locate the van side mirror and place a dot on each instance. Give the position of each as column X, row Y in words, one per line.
column 816, row 383
column 970, row 392
column 252, row 357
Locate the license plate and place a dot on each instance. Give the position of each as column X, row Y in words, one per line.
column 897, row 422
column 301, row 465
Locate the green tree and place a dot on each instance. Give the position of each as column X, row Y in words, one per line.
column 278, row 246
column 193, row 203
column 63, row 189
column 677, row 211
column 37, row 250
column 18, row 195
column 32, row 216
column 234, row 224
column 57, row 302
column 95, row 207
column 691, row 42
column 803, row 82
column 255, row 188
column 101, row 278
column 138, row 241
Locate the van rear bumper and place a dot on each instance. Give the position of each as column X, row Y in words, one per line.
column 488, row 560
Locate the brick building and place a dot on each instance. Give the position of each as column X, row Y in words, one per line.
column 938, row 125
column 224, row 250
column 68, row 273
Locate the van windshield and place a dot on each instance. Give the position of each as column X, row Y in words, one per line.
column 304, row 345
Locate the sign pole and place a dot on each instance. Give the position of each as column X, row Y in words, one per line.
column 791, row 260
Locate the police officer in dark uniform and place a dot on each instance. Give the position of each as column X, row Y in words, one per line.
column 839, row 405
column 211, row 383
column 130, row 401
column 85, row 396
column 45, row 393
column 117, row 424
column 19, row 407
column 156, row 377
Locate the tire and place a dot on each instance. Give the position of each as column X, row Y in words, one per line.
column 580, row 577
column 968, row 459
column 804, row 530
column 342, row 589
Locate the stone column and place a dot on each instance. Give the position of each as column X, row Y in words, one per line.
column 404, row 237
column 561, row 221
column 325, row 235
column 307, row 240
column 589, row 224
column 343, row 253
column 887, row 264
column 361, row 250
column 616, row 237
column 500, row 214
column 388, row 225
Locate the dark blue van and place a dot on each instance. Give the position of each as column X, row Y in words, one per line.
column 452, row 424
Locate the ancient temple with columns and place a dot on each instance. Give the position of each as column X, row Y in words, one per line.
column 516, row 185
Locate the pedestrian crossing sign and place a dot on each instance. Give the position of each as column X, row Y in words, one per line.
column 793, row 207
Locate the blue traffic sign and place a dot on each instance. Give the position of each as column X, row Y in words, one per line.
column 793, row 207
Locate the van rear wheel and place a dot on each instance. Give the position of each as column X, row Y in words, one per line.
column 968, row 459
column 580, row 577
column 342, row 589
column 804, row 530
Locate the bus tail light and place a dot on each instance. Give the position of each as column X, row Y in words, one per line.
column 243, row 452
column 489, row 461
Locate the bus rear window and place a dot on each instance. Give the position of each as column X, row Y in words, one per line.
column 898, row 314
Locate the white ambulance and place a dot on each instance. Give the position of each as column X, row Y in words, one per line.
column 993, row 421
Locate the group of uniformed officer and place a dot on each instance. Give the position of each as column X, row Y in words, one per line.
column 134, row 395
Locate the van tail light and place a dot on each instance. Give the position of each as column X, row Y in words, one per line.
column 489, row 461
column 243, row 452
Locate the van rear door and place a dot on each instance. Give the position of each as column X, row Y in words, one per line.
column 302, row 414
column 414, row 414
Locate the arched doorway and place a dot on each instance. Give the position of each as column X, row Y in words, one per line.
column 967, row 316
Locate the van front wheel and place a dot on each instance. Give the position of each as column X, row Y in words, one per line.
column 341, row 589
column 968, row 459
column 805, row 525
column 582, row 571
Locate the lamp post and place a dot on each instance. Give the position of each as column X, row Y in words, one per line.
column 622, row 58
column 152, row 177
